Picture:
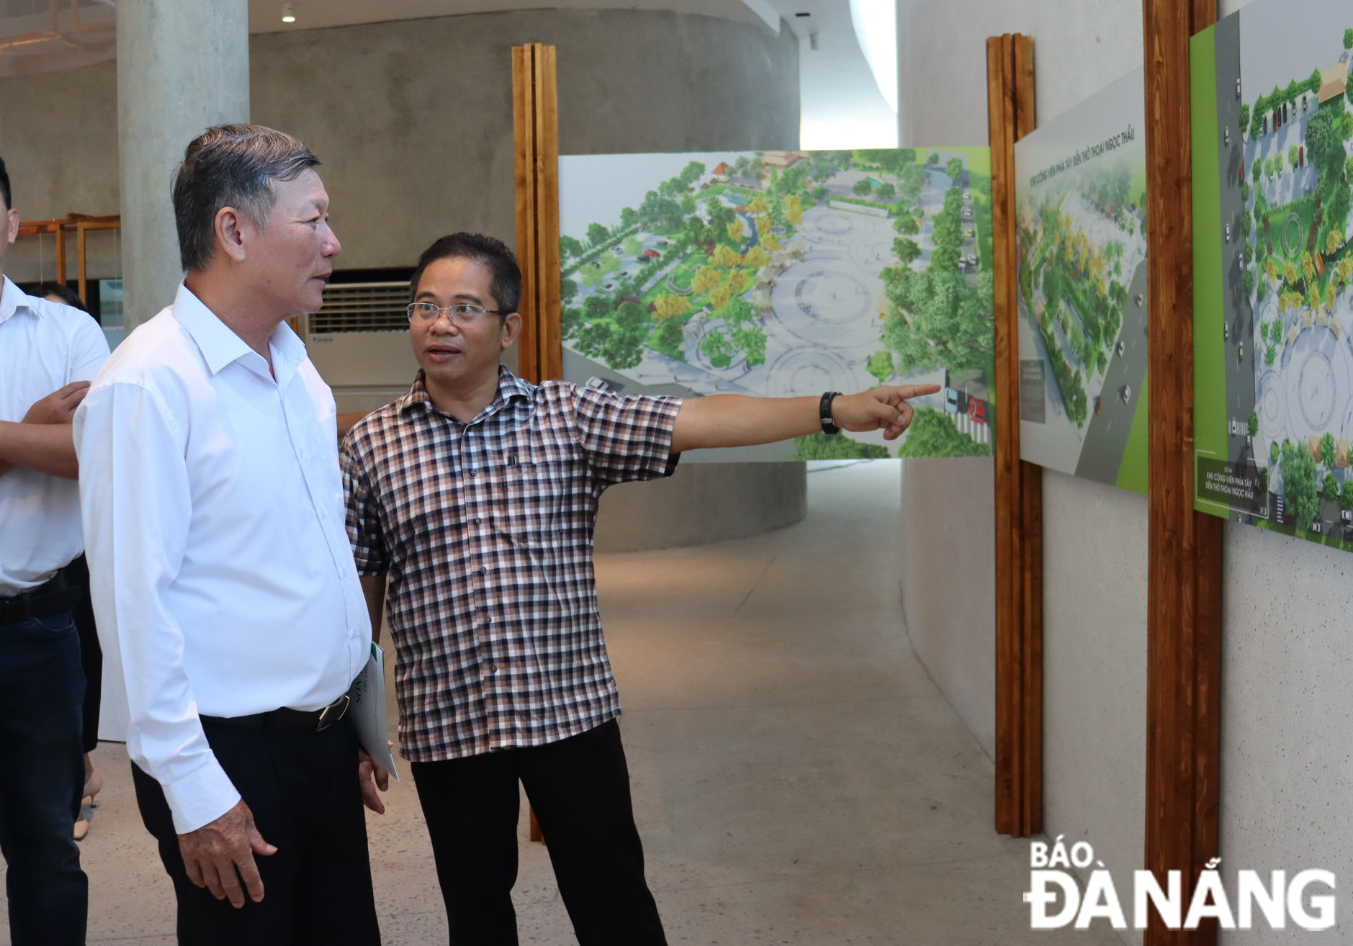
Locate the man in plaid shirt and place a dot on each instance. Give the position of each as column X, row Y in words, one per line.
column 476, row 494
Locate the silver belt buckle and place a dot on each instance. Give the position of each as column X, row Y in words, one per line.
column 333, row 713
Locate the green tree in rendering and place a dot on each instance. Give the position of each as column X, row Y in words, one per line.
column 718, row 349
column 1298, row 469
column 954, row 169
column 1348, row 39
column 1253, row 423
column 1327, row 452
column 824, row 447
column 597, row 234
column 907, row 225
column 737, row 311
column 752, row 341
column 1273, row 451
column 947, row 323
column 1329, row 487
column 880, row 365
column 933, row 434
column 570, row 248
column 1323, row 145
column 906, row 250
column 1346, row 495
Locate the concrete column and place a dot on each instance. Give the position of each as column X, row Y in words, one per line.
column 182, row 65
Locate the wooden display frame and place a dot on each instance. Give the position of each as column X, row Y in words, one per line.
column 80, row 225
column 1183, row 739
column 1019, row 485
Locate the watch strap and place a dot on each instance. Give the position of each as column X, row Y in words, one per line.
column 824, row 412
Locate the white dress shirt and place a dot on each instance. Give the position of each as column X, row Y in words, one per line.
column 43, row 346
column 213, row 520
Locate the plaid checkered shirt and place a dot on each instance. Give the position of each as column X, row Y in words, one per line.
column 485, row 530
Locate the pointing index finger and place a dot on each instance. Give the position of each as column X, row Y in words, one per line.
column 917, row 390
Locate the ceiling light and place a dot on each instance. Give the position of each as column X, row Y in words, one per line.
column 288, row 13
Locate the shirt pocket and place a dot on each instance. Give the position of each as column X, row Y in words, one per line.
column 533, row 499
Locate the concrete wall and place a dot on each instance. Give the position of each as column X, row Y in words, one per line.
column 58, row 136
column 1095, row 546
column 702, row 503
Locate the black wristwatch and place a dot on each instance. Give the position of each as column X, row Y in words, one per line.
column 824, row 412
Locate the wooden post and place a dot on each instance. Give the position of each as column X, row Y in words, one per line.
column 535, row 117
column 1183, row 742
column 1019, row 485
column 535, row 114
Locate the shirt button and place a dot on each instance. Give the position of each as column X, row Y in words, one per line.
column 483, row 569
column 478, row 520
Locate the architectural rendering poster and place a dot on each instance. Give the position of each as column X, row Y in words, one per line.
column 782, row 273
column 1081, row 225
column 1272, row 129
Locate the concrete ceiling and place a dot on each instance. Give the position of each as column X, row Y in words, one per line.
column 837, row 88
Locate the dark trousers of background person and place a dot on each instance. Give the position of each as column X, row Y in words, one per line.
column 580, row 791
column 302, row 788
column 41, row 778
column 91, row 654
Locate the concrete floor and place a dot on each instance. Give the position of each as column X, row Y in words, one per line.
column 798, row 779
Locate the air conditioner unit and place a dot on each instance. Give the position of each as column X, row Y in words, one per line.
column 359, row 342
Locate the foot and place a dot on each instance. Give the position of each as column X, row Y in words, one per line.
column 93, row 785
column 81, row 827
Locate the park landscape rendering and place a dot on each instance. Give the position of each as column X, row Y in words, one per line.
column 1081, row 289
column 789, row 273
column 1286, row 303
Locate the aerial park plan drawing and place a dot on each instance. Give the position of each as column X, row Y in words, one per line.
column 783, row 273
column 1081, row 235
column 1273, row 358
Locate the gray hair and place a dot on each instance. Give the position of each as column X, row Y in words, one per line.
column 231, row 166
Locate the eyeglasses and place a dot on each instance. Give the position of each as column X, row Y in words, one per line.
column 461, row 313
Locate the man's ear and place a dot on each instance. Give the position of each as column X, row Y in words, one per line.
column 229, row 226
column 11, row 226
column 511, row 329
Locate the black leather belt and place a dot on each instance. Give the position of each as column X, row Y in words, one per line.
column 51, row 598
column 285, row 718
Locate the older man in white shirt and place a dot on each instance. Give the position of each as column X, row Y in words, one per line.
column 213, row 517
column 48, row 353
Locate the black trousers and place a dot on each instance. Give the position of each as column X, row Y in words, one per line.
column 579, row 788
column 302, row 788
column 91, row 654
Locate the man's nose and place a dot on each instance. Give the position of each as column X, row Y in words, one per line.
column 331, row 246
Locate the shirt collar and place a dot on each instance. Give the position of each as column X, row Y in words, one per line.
column 220, row 346
column 510, row 388
column 12, row 298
